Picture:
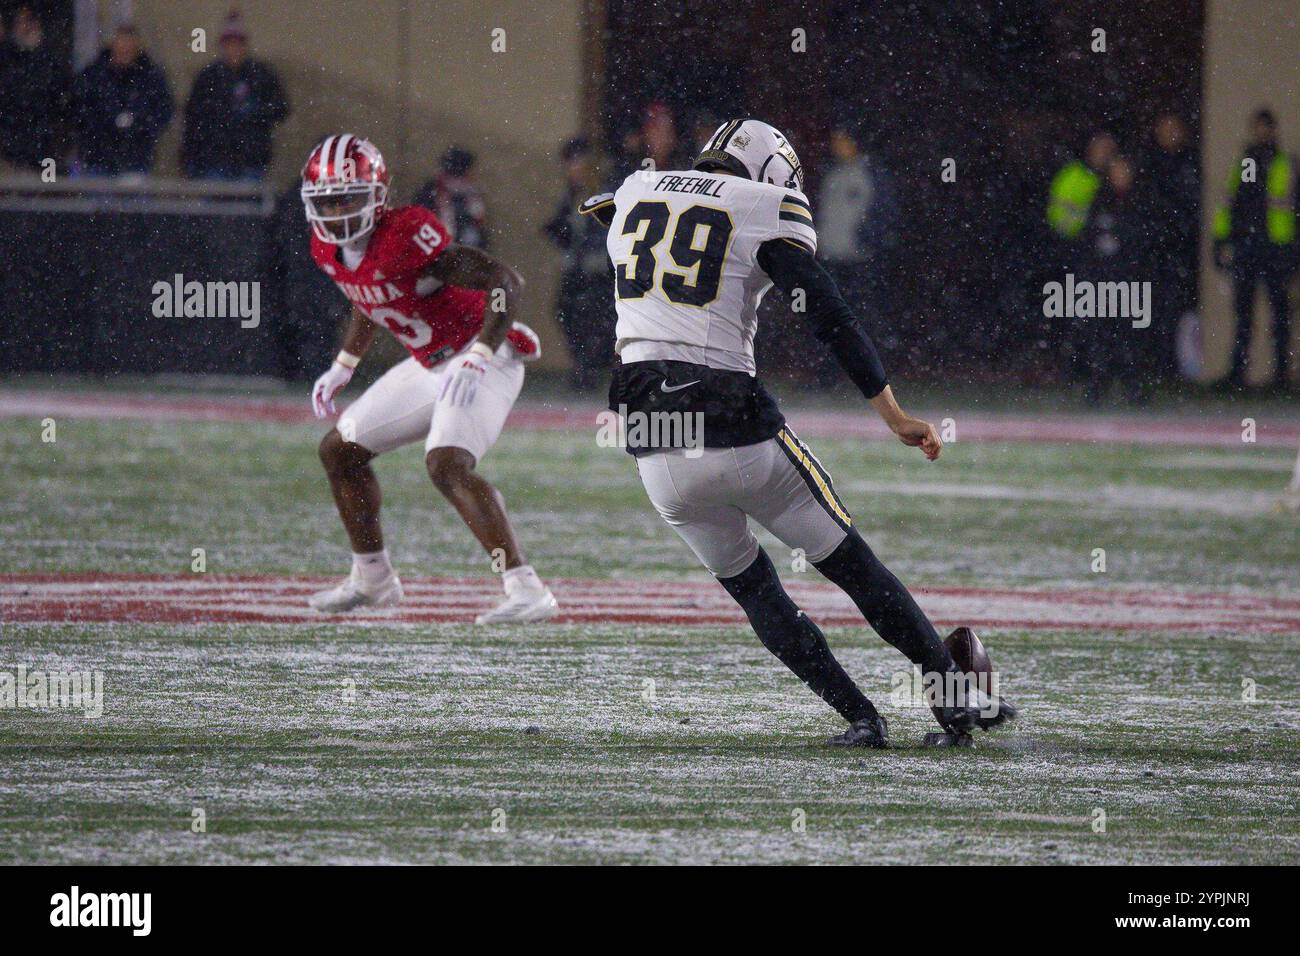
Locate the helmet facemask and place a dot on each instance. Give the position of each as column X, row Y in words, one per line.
column 344, row 212
column 784, row 168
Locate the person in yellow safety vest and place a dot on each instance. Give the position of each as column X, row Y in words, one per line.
column 1075, row 186
column 1255, row 239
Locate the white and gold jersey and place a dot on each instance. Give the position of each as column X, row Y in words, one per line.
column 687, row 283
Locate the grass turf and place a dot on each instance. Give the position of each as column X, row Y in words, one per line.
column 392, row 742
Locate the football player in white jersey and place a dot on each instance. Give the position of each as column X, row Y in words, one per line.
column 694, row 251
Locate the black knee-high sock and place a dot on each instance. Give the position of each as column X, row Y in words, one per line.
column 885, row 603
column 789, row 634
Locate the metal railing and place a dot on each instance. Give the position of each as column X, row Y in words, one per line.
column 147, row 195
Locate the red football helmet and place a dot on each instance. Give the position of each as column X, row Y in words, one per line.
column 344, row 188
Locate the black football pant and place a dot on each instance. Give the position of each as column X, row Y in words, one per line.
column 795, row 640
column 799, row 643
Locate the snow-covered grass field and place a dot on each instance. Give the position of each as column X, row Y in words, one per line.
column 648, row 725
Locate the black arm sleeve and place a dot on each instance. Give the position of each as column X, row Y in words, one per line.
column 792, row 266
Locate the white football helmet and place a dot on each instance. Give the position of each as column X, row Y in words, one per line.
column 755, row 150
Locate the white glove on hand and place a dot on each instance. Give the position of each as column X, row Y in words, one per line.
column 326, row 387
column 462, row 385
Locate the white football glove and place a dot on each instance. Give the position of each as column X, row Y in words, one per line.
column 326, row 387
column 461, row 385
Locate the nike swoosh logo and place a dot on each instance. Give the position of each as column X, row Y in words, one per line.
column 663, row 386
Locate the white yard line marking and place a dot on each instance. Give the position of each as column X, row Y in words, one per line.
column 1228, row 503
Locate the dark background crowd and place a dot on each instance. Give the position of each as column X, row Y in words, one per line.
column 941, row 226
column 106, row 120
column 949, row 271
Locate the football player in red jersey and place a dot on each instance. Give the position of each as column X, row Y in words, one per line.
column 450, row 306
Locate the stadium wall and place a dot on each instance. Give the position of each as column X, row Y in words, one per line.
column 416, row 77
column 1250, row 61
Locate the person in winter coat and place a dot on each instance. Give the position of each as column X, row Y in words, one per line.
column 857, row 231
column 455, row 196
column 1255, row 240
column 233, row 106
column 583, row 308
column 1115, row 243
column 122, row 103
column 36, row 84
column 1170, row 180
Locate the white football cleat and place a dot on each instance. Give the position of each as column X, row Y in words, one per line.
column 350, row 594
column 526, row 604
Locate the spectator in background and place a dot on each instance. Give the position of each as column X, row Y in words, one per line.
column 1075, row 186
column 455, row 196
column 1255, row 239
column 122, row 103
column 1171, row 186
column 659, row 138
column 1071, row 194
column 651, row 145
column 234, row 104
column 1115, row 241
column 35, row 85
column 583, row 308
column 857, row 219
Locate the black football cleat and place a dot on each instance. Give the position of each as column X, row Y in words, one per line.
column 945, row 739
column 991, row 712
column 959, row 721
column 866, row 732
column 1004, row 712
column 979, row 709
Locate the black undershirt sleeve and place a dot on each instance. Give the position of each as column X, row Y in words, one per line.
column 792, row 266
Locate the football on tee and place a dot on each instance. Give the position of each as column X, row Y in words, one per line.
column 969, row 653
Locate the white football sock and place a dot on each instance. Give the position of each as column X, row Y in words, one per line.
column 373, row 568
column 522, row 578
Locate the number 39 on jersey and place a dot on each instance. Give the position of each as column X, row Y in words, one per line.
column 687, row 268
column 684, row 246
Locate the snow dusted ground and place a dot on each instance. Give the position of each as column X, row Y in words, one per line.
column 399, row 743
column 647, row 725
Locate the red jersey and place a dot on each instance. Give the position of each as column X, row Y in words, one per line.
column 432, row 320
